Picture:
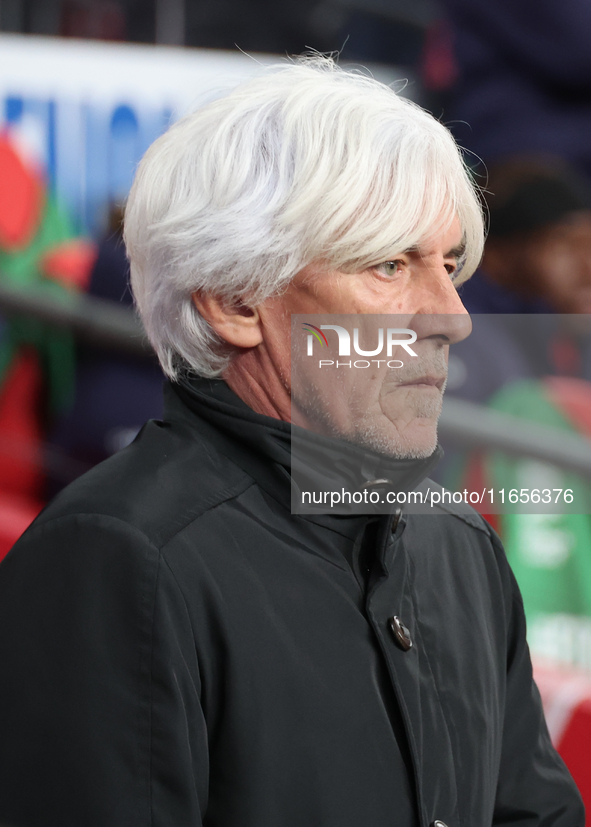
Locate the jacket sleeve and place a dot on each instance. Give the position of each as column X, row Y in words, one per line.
column 535, row 788
column 100, row 718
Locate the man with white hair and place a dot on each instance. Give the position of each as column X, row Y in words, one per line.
column 178, row 647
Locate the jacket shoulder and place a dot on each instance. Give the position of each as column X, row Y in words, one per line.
column 164, row 480
column 466, row 546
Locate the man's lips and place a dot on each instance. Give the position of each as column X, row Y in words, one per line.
column 424, row 381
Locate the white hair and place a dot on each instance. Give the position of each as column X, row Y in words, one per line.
column 305, row 163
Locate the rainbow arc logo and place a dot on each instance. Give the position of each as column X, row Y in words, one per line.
column 315, row 331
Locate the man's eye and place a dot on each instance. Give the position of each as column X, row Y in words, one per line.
column 390, row 268
column 454, row 270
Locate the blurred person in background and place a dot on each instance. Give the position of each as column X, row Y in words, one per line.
column 537, row 261
column 537, row 257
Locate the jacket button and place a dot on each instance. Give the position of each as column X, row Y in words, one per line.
column 404, row 640
column 438, row 823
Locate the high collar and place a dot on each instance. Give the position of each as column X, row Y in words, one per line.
column 280, row 456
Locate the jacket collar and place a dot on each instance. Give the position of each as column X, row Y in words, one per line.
column 279, row 455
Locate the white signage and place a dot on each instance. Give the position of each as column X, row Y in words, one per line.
column 88, row 110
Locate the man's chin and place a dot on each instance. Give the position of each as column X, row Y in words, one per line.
column 417, row 442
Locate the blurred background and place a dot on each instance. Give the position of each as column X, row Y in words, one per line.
column 87, row 85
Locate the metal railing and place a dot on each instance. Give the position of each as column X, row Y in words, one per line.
column 474, row 426
column 98, row 322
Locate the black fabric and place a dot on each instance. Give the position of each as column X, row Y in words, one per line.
column 177, row 649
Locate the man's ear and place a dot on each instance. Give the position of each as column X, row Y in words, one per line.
column 236, row 324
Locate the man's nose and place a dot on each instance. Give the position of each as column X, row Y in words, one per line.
column 441, row 313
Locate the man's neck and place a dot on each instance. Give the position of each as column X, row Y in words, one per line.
column 254, row 377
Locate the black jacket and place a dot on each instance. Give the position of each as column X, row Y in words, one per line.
column 177, row 649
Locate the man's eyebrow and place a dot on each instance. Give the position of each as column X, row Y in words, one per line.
column 457, row 252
